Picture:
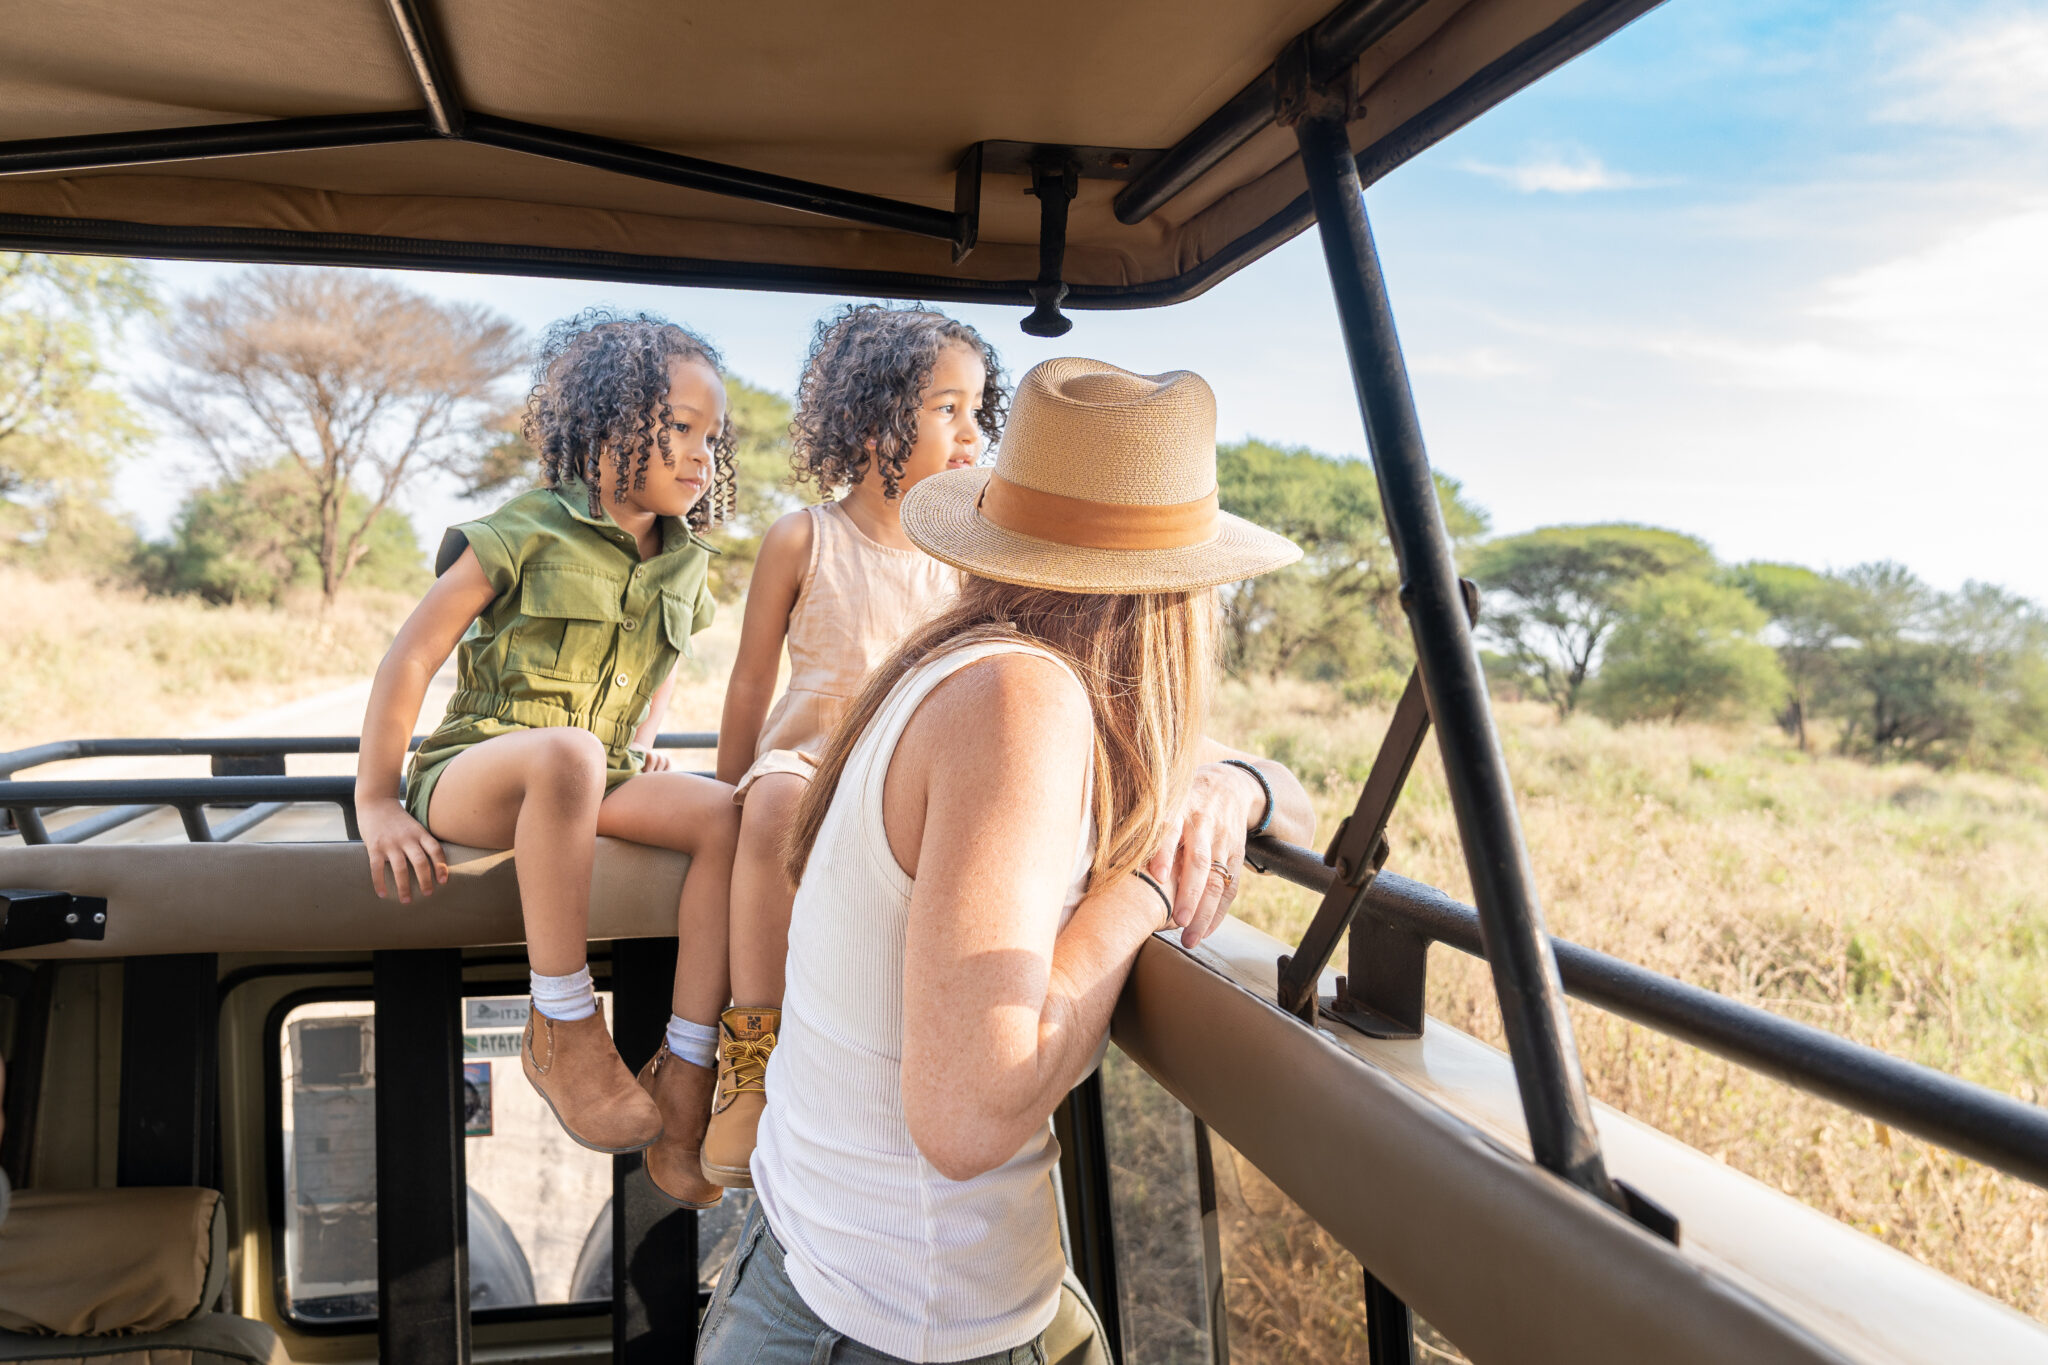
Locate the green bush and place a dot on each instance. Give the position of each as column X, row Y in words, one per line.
column 1686, row 648
column 252, row 539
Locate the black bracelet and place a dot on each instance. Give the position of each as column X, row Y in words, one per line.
column 1146, row 877
column 1266, row 820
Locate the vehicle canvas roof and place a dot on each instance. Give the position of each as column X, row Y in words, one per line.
column 879, row 99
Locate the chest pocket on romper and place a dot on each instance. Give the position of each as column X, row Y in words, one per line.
column 678, row 620
column 571, row 616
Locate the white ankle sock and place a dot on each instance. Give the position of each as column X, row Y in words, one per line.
column 566, row 998
column 696, row 1044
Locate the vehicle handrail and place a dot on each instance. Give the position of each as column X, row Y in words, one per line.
column 1971, row 1120
column 130, row 798
column 1974, row 1121
column 63, row 750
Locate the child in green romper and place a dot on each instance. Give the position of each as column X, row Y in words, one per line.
column 571, row 605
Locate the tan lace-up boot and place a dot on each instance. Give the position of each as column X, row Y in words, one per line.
column 577, row 1070
column 746, row 1037
column 682, row 1092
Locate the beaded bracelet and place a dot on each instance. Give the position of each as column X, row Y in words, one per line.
column 1266, row 820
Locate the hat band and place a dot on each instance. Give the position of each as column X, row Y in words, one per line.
column 1084, row 523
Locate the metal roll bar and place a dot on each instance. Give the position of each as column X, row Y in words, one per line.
column 246, row 772
column 444, row 119
column 1970, row 1120
column 1333, row 44
column 1539, row 1033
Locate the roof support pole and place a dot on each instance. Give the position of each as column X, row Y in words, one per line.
column 1389, row 1326
column 1525, row 979
column 422, row 1187
column 170, row 1070
column 1081, row 1126
column 654, row 1243
column 423, row 54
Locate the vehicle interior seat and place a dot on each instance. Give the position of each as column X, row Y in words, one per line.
column 122, row 1277
column 1076, row 1336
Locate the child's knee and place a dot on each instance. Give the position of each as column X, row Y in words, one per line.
column 771, row 806
column 568, row 763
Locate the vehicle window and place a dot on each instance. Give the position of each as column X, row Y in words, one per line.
column 536, row 1199
column 1293, row 1295
column 1156, row 1218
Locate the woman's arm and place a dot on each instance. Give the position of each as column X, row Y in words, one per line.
column 423, row 644
column 771, row 596
column 1224, row 804
column 1003, row 1009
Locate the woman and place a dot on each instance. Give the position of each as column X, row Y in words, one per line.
column 1014, row 803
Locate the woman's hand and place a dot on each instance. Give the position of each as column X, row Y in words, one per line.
column 397, row 841
column 1223, row 803
column 657, row 762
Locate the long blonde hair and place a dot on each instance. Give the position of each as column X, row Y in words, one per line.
column 1144, row 659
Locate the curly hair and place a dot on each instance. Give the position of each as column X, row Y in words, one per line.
column 600, row 388
column 868, row 365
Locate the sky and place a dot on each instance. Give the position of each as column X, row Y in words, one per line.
column 1771, row 272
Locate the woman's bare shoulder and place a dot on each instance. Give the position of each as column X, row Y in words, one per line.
column 1006, row 700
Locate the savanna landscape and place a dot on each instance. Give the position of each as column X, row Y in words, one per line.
column 1900, row 906
column 1817, row 792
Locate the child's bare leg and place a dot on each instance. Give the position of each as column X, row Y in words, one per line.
column 761, row 893
column 536, row 791
column 694, row 815
column 760, row 941
column 540, row 792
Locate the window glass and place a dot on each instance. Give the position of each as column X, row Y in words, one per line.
column 535, row 1197
column 1293, row 1295
column 1156, row 1217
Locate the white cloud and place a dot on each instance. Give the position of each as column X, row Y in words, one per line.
column 1991, row 71
column 1477, row 362
column 1956, row 321
column 1559, row 173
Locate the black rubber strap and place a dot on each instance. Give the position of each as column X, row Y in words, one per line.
column 1266, row 820
column 1146, row 877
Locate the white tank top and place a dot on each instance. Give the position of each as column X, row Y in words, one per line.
column 882, row 1247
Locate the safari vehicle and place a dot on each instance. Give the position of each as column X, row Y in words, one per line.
column 233, row 1010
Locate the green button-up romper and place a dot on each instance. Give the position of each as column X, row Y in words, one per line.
column 581, row 633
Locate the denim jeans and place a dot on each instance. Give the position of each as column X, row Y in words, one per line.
column 757, row 1317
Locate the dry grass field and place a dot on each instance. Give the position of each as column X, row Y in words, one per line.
column 83, row 659
column 1898, row 906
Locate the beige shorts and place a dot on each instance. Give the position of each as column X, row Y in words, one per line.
column 795, row 762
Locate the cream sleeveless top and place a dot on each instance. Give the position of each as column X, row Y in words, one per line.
column 880, row 1245
column 857, row 598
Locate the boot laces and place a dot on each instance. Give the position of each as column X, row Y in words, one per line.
column 747, row 1062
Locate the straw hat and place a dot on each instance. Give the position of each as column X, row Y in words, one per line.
column 1105, row 482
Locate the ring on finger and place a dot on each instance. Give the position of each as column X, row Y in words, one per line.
column 1219, row 866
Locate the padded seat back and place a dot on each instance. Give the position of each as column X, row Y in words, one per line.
column 121, row 1277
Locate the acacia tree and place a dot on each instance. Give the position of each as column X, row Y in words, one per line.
column 1336, row 615
column 356, row 383
column 1891, row 694
column 1806, row 611
column 63, row 425
column 1554, row 594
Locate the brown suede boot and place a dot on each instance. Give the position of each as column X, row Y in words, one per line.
column 683, row 1094
column 574, row 1066
column 746, row 1037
